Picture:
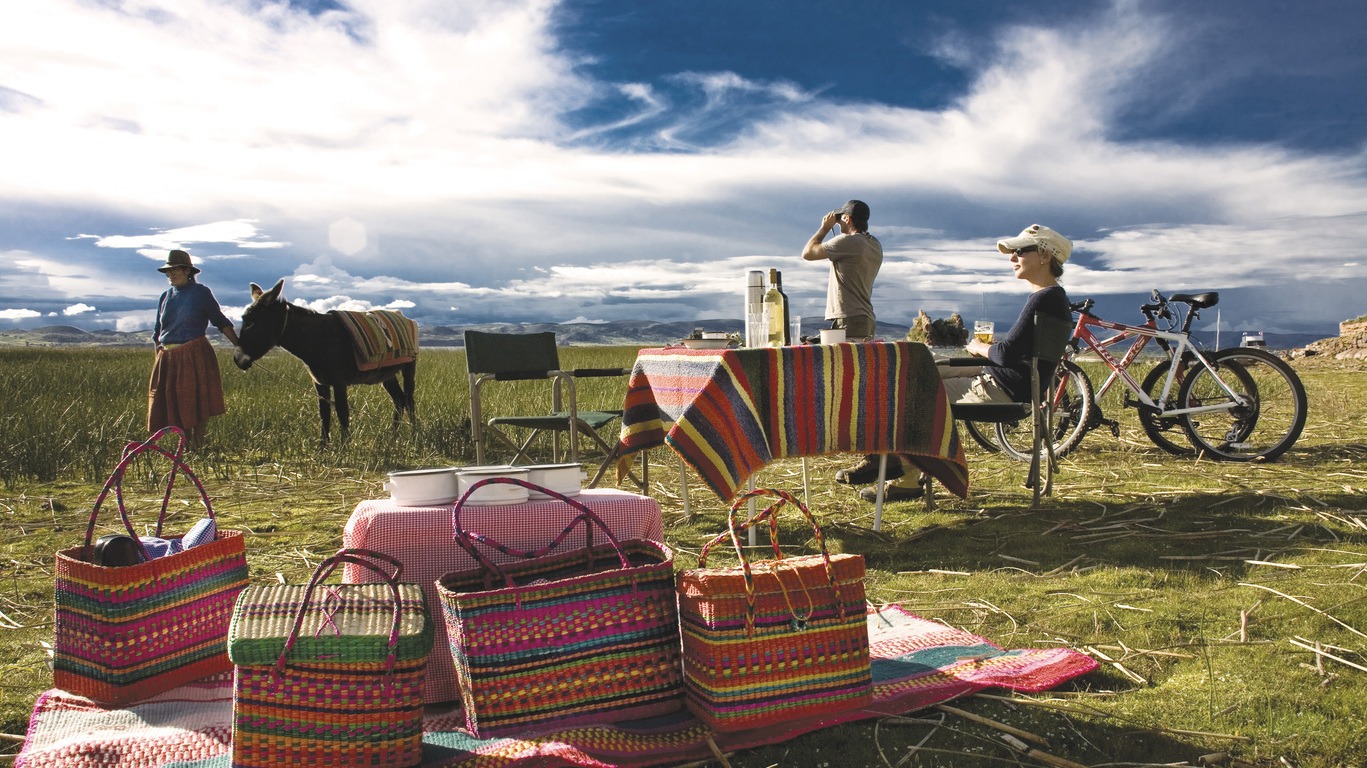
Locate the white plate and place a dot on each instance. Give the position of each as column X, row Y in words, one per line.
column 706, row 343
column 441, row 502
column 496, row 493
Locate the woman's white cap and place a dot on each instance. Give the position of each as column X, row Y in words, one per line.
column 1057, row 246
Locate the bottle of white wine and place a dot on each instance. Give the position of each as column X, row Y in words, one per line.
column 776, row 311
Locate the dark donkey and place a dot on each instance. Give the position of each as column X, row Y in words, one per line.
column 325, row 345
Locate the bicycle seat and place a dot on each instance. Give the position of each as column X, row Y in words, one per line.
column 1197, row 300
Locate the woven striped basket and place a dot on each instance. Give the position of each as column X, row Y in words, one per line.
column 589, row 635
column 122, row 634
column 330, row 674
column 774, row 640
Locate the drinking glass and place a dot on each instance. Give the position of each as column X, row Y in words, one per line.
column 982, row 331
column 794, row 329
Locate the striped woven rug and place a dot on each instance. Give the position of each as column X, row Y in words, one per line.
column 916, row 664
column 380, row 337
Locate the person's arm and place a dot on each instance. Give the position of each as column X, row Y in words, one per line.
column 229, row 334
column 814, row 251
column 216, row 316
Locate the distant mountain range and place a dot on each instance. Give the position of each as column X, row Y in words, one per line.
column 618, row 332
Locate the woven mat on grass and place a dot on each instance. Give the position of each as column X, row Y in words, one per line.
column 916, row 664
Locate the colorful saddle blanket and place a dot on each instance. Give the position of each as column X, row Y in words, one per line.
column 380, row 337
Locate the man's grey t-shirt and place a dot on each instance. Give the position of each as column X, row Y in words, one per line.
column 855, row 260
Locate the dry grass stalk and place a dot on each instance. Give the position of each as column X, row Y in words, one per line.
column 1043, row 757
column 1320, row 653
column 990, row 723
column 717, row 753
column 1134, row 676
column 1298, row 601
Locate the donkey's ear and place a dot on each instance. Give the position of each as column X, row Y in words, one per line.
column 256, row 291
column 274, row 293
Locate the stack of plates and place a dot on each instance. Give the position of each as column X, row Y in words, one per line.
column 565, row 479
column 494, row 493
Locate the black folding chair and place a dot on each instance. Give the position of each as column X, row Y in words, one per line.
column 1051, row 336
column 503, row 357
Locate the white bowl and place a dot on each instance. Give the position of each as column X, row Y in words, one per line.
column 423, row 487
column 706, row 343
column 565, row 479
column 494, row 493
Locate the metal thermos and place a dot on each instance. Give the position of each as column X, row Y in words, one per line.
column 755, row 331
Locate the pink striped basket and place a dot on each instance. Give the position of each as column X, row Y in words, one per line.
column 583, row 635
column 125, row 633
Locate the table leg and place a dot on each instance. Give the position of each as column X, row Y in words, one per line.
column 683, row 488
column 806, row 487
column 882, row 488
column 750, row 507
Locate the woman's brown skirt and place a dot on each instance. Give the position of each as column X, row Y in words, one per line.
column 185, row 389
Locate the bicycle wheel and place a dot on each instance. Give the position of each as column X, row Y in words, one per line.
column 1072, row 411
column 1162, row 430
column 984, row 434
column 1264, row 426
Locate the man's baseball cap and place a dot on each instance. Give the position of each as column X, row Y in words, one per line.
column 857, row 209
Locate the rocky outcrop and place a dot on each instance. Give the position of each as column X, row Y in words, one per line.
column 945, row 332
column 1350, row 344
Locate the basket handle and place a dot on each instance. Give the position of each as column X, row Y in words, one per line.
column 735, row 527
column 466, row 539
column 362, row 557
column 115, row 483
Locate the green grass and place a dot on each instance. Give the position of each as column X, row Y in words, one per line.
column 1164, row 565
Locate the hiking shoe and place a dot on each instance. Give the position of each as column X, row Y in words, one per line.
column 892, row 492
column 866, row 471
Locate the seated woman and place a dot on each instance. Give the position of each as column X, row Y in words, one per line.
column 1037, row 257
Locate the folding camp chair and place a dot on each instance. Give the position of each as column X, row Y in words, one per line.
column 1051, row 339
column 491, row 357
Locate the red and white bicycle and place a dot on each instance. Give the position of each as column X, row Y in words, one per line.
column 1237, row 404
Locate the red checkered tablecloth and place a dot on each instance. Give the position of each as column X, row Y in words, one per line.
column 420, row 538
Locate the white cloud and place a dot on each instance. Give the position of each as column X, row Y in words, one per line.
column 423, row 149
column 18, row 314
column 78, row 309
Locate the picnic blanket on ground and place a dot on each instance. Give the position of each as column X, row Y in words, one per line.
column 381, row 337
column 734, row 411
column 916, row 663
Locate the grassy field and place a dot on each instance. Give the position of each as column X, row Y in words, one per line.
column 1227, row 603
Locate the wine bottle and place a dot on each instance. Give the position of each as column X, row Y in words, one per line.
column 776, row 311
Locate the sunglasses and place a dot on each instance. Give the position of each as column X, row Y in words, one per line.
column 1027, row 249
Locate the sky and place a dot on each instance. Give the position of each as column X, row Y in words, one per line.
column 471, row 161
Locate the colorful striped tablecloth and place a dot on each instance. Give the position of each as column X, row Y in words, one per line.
column 730, row 412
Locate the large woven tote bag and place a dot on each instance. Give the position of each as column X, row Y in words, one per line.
column 588, row 635
column 330, row 674
column 773, row 640
column 124, row 633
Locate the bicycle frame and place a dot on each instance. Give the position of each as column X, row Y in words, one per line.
column 1118, row 368
column 1178, row 343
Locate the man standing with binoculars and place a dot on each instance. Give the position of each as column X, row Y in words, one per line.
column 855, row 257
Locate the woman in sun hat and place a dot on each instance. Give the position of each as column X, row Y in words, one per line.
column 185, row 389
column 1037, row 256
